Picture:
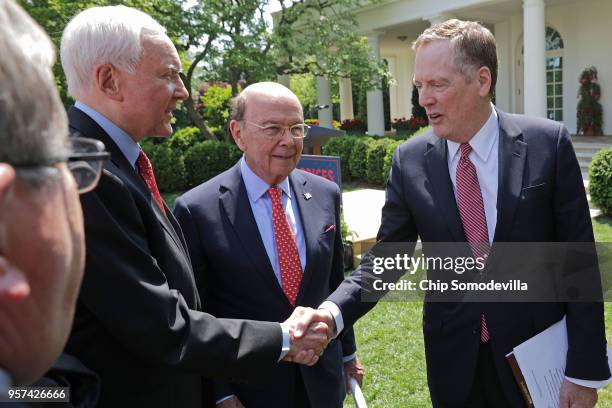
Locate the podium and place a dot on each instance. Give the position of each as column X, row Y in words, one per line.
column 318, row 136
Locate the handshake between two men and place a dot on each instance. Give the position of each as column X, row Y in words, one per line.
column 310, row 332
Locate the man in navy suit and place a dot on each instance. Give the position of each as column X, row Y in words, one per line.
column 138, row 321
column 483, row 177
column 265, row 237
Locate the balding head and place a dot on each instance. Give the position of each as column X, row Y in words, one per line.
column 257, row 92
column 267, row 125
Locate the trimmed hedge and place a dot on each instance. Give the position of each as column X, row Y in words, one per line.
column 389, row 150
column 168, row 164
column 600, row 180
column 184, row 138
column 377, row 150
column 184, row 161
column 342, row 147
column 206, row 159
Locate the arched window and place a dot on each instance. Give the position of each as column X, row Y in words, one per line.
column 554, row 74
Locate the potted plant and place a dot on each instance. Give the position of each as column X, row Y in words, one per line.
column 589, row 113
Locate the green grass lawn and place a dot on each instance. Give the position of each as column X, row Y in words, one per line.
column 390, row 345
column 169, row 198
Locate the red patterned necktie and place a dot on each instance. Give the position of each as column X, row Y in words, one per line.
column 146, row 172
column 471, row 209
column 288, row 256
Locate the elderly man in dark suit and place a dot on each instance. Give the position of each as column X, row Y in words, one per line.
column 482, row 177
column 138, row 322
column 264, row 237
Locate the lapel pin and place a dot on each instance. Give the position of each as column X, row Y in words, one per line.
column 307, row 196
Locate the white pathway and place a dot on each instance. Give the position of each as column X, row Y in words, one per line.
column 362, row 212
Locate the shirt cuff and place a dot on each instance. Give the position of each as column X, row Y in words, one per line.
column 332, row 308
column 589, row 383
column 220, row 400
column 286, row 343
column 351, row 357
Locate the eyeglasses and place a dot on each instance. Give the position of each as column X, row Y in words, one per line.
column 87, row 156
column 275, row 131
column 85, row 162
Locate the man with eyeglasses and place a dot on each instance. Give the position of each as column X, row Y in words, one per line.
column 42, row 248
column 264, row 237
column 138, row 322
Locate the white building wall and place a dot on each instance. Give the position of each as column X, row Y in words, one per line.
column 585, row 26
column 503, row 89
column 586, row 29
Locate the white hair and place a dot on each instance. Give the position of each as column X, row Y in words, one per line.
column 101, row 35
column 33, row 123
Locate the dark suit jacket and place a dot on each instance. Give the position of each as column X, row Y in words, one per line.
column 540, row 198
column 236, row 279
column 137, row 322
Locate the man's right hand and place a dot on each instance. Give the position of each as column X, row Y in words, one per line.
column 310, row 330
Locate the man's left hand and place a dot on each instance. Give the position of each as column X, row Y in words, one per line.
column 576, row 396
column 353, row 369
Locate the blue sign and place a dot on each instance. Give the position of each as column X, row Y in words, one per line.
column 325, row 166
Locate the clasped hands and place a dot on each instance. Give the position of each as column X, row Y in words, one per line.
column 310, row 332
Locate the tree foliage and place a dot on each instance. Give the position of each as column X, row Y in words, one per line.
column 231, row 40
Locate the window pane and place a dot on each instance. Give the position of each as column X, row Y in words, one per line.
column 550, row 103
column 549, row 90
column 558, row 76
column 559, row 102
column 558, row 89
column 549, row 76
column 550, row 114
column 559, row 115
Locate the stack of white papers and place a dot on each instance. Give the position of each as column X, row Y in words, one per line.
column 542, row 362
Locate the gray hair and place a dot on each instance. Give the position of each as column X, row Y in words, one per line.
column 33, row 123
column 101, row 35
column 473, row 45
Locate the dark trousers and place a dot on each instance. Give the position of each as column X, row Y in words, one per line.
column 486, row 390
column 301, row 397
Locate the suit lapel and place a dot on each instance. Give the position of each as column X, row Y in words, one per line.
column 512, row 156
column 235, row 202
column 308, row 211
column 442, row 186
column 83, row 124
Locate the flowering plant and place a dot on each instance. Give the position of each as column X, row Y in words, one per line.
column 411, row 125
column 353, row 125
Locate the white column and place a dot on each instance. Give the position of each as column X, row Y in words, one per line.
column 376, row 113
column 324, row 98
column 283, row 80
column 534, row 43
column 439, row 18
column 346, row 99
column 393, row 91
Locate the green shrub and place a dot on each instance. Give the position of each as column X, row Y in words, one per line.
column 342, row 147
column 600, row 180
column 184, row 138
column 389, row 150
column 168, row 166
column 358, row 158
column 206, row 159
column 216, row 105
column 375, row 158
